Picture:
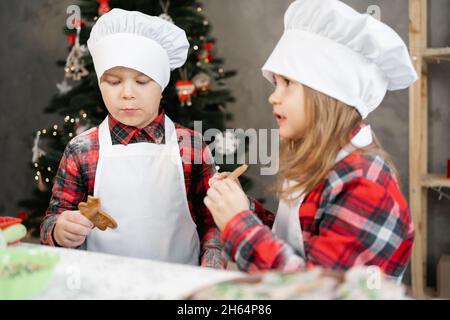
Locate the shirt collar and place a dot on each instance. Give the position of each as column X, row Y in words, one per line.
column 124, row 134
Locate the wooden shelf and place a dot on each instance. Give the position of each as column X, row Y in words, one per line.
column 432, row 180
column 419, row 178
column 430, row 293
column 437, row 54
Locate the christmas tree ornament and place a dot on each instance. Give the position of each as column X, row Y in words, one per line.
column 185, row 89
column 226, row 143
column 71, row 38
column 22, row 215
column 63, row 87
column 202, row 81
column 204, row 55
column 75, row 68
column 103, row 7
column 37, row 151
column 165, row 8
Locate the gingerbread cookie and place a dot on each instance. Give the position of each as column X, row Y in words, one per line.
column 237, row 172
column 100, row 219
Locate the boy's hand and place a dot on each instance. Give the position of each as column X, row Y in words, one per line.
column 71, row 229
column 225, row 199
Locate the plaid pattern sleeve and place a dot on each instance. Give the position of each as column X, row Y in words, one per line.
column 72, row 180
column 262, row 213
column 198, row 160
column 358, row 216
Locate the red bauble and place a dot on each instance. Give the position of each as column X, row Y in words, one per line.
column 208, row 46
column 22, row 215
column 71, row 38
column 205, row 54
column 103, row 7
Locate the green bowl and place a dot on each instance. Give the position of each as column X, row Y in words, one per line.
column 24, row 273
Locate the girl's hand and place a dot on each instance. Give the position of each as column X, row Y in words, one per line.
column 71, row 229
column 225, row 199
column 220, row 176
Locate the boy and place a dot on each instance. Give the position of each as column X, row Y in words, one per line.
column 138, row 162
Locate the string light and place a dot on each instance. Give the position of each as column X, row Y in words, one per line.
column 36, row 178
column 70, row 134
column 72, row 120
column 67, row 118
column 196, row 47
column 44, row 131
column 55, row 127
column 199, row 9
column 49, row 169
column 205, row 22
column 84, row 115
column 47, row 180
column 35, row 165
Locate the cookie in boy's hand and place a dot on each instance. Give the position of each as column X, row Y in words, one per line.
column 100, row 219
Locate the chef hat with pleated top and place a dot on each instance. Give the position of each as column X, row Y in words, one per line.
column 135, row 40
column 352, row 57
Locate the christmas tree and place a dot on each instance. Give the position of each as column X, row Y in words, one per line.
column 196, row 92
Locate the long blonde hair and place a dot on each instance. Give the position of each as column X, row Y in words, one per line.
column 308, row 160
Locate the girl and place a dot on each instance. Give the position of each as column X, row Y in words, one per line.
column 340, row 200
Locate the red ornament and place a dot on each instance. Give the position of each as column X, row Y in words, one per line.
column 205, row 54
column 185, row 89
column 208, row 46
column 71, row 38
column 103, row 7
column 22, row 215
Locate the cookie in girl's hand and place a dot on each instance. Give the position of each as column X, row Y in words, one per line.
column 100, row 219
column 237, row 172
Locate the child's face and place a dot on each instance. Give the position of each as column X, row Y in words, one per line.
column 288, row 107
column 130, row 96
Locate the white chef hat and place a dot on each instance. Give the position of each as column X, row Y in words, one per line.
column 135, row 40
column 352, row 57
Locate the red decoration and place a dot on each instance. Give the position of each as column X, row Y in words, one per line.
column 22, row 215
column 205, row 54
column 208, row 46
column 71, row 38
column 185, row 89
column 103, row 7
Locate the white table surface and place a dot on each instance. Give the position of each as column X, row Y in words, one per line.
column 87, row 275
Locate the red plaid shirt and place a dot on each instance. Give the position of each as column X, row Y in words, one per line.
column 357, row 216
column 75, row 179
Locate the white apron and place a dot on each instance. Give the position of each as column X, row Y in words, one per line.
column 287, row 220
column 141, row 185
